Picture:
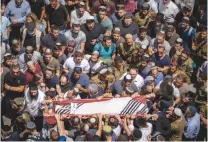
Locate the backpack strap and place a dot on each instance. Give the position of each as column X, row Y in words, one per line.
column 38, row 36
column 190, row 30
column 24, row 35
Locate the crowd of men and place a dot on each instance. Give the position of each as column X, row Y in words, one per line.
column 56, row 50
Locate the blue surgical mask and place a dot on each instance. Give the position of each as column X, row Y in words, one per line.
column 76, row 32
column 30, row 33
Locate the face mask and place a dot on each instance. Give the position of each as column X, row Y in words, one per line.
column 75, row 32
column 30, row 33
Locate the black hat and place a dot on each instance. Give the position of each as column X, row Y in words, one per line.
column 78, row 70
column 33, row 86
column 137, row 134
column 163, row 126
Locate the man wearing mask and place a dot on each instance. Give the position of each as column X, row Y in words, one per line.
column 16, row 11
column 56, row 11
column 186, row 32
column 117, row 38
column 31, row 36
column 34, row 98
column 29, row 55
column 79, row 15
column 119, row 14
column 170, row 35
column 127, row 26
column 104, row 20
column 169, row 9
column 129, row 49
column 77, row 35
column 92, row 31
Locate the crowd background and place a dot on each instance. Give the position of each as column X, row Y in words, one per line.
column 55, row 50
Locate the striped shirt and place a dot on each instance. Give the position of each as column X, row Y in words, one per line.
column 20, row 12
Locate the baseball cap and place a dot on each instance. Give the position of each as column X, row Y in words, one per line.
column 153, row 68
column 107, row 129
column 31, row 125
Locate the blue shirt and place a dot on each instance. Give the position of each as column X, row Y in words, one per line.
column 187, row 37
column 165, row 61
column 106, row 53
column 5, row 23
column 20, row 12
column 158, row 78
column 192, row 126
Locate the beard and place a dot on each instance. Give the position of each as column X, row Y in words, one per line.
column 34, row 97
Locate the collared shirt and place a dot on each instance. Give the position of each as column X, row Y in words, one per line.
column 192, row 126
column 20, row 12
column 170, row 10
column 138, row 81
column 5, row 23
column 81, row 38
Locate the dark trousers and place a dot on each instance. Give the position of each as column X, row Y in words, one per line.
column 38, row 120
column 15, row 32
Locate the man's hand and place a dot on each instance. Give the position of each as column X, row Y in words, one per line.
column 57, row 116
column 117, row 96
column 14, row 21
column 6, row 86
column 100, row 116
column 93, row 41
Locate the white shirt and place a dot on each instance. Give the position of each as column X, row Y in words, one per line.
column 170, row 10
column 81, row 20
column 33, row 106
column 143, row 42
column 139, row 80
column 70, row 64
column 146, row 132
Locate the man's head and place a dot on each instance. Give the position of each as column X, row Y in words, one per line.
column 94, row 57
column 185, row 22
column 173, row 66
column 120, row 10
column 190, row 112
column 161, row 50
column 129, row 39
column 53, row 3
column 203, row 33
column 48, row 55
column 128, row 79
column 166, row 1
column 77, row 72
column 33, row 90
column 78, row 57
column 179, row 79
column 31, row 66
column 81, row 8
column 15, row 45
column 70, row 46
column 161, row 37
column 57, row 50
column 154, row 71
column 142, row 33
column 159, row 19
column 30, row 28
column 18, row 2
column 144, row 9
column 116, row 34
column 75, row 27
column 54, row 31
column 15, row 70
column 133, row 73
column 29, row 51
column 93, row 90
column 118, row 61
column 7, row 59
column 31, row 127
column 184, row 55
column 107, row 41
column 187, row 10
column 64, row 79
column 128, row 19
column 6, row 131
column 169, row 31
column 102, row 12
column 72, row 94
column 49, row 72
column 178, row 44
column 90, row 21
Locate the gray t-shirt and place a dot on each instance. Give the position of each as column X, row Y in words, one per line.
column 81, row 38
column 107, row 23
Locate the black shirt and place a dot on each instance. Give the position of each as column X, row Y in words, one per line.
column 15, row 82
column 48, row 42
column 192, row 20
column 30, row 41
column 90, row 35
column 36, row 6
column 57, row 16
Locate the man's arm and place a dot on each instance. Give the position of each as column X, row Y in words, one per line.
column 28, row 10
column 15, row 89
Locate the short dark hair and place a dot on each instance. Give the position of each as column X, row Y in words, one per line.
column 185, row 52
column 15, row 66
column 105, row 38
column 54, row 27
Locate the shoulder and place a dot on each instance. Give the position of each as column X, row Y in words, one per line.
column 73, row 12
column 26, row 3
column 84, row 61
